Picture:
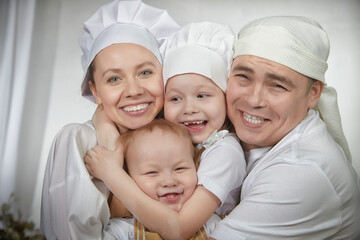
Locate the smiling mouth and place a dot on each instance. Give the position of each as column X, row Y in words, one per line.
column 171, row 197
column 252, row 119
column 195, row 124
column 135, row 108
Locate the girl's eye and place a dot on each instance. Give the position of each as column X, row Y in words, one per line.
column 113, row 80
column 203, row 95
column 145, row 73
column 175, row 99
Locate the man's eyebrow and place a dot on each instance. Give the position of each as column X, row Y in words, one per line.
column 242, row 68
column 280, row 78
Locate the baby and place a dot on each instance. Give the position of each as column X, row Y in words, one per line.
column 159, row 157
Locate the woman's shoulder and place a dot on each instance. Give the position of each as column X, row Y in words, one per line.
column 77, row 130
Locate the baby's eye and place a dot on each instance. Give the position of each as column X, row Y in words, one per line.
column 151, row 173
column 113, row 80
column 180, row 169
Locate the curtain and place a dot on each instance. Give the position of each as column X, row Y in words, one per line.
column 16, row 18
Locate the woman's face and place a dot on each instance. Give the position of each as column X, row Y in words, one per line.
column 128, row 84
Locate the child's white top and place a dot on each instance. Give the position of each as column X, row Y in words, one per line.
column 222, row 169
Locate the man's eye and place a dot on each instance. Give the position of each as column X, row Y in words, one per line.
column 280, row 86
column 241, row 75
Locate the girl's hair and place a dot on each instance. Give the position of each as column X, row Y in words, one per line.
column 166, row 126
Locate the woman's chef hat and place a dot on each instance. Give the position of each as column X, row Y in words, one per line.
column 123, row 21
column 203, row 48
column 301, row 44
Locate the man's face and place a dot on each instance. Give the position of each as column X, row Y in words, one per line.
column 266, row 100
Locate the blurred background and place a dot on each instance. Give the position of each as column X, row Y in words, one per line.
column 40, row 73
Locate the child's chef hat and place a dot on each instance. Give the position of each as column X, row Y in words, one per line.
column 203, row 48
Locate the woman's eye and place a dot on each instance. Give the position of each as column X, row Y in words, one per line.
column 145, row 73
column 113, row 80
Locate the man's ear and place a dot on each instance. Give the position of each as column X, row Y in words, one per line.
column 94, row 93
column 314, row 93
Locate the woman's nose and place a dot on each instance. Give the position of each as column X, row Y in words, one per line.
column 133, row 87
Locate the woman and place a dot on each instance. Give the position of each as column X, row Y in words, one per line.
column 122, row 67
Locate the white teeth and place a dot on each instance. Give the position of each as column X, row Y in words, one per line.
column 135, row 108
column 252, row 119
column 199, row 122
column 171, row 196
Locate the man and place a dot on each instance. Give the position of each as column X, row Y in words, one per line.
column 300, row 182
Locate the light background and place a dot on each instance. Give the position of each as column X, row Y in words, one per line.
column 53, row 94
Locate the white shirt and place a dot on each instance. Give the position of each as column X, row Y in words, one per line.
column 222, row 170
column 122, row 228
column 74, row 205
column 302, row 188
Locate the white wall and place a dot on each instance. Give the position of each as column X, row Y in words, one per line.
column 57, row 71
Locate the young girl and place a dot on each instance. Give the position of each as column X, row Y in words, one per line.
column 196, row 64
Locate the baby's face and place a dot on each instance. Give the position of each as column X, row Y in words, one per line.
column 162, row 165
column 196, row 102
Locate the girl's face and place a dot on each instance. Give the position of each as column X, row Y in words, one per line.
column 128, row 84
column 196, row 102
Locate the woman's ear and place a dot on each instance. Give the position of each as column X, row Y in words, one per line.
column 94, row 93
column 314, row 93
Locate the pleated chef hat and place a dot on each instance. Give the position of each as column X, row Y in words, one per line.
column 301, row 44
column 203, row 48
column 123, row 21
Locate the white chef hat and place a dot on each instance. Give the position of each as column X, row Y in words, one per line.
column 301, row 44
column 203, row 48
column 123, row 21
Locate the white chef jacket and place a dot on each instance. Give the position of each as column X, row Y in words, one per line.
column 222, row 170
column 74, row 205
column 302, row 188
column 122, row 228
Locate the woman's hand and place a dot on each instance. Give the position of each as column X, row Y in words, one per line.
column 107, row 134
column 100, row 161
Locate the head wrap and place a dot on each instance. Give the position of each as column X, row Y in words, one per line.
column 203, row 48
column 301, row 44
column 123, row 21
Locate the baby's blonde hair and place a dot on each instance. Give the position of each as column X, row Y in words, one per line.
column 166, row 126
